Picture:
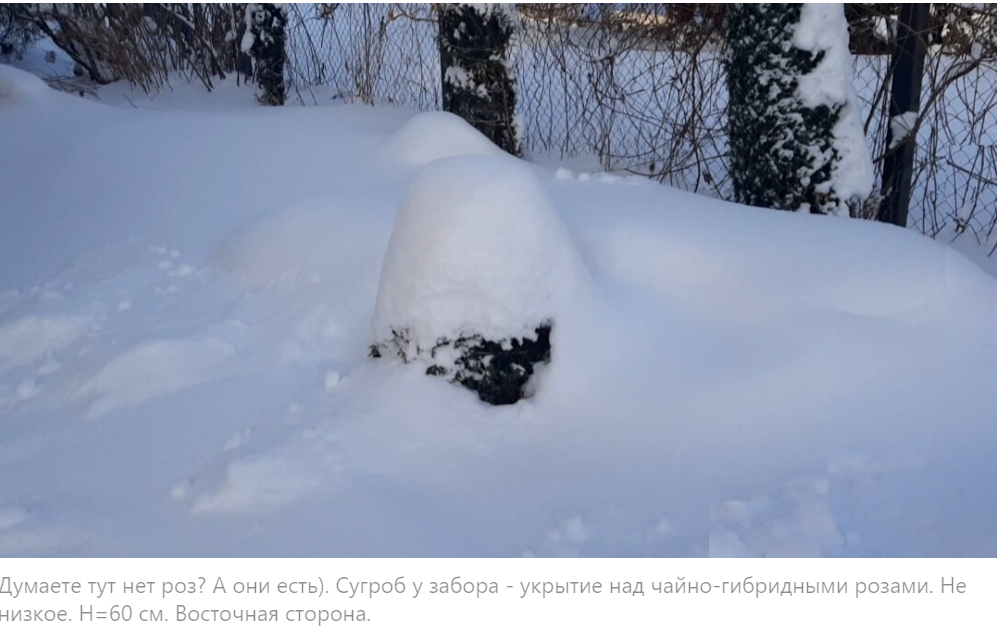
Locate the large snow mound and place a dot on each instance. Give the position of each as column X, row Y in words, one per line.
column 724, row 381
column 477, row 247
column 431, row 136
column 19, row 86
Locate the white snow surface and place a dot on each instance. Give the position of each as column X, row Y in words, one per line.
column 19, row 86
column 186, row 294
column 823, row 27
column 901, row 126
column 477, row 248
column 431, row 136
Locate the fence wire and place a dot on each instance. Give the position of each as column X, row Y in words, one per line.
column 642, row 88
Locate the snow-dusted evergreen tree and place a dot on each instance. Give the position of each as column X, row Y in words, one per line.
column 478, row 82
column 796, row 138
column 264, row 41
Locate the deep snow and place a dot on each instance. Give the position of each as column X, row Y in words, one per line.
column 477, row 248
column 186, row 295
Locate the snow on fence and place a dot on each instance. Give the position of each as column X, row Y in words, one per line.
column 641, row 88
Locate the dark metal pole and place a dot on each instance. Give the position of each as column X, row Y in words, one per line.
column 908, row 70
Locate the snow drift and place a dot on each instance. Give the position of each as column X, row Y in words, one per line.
column 478, row 268
column 184, row 370
column 477, row 247
column 431, row 136
column 18, row 86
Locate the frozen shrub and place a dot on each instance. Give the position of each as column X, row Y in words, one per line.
column 795, row 136
column 477, row 269
column 264, row 41
column 478, row 82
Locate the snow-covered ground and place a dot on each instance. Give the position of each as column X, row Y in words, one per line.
column 187, row 284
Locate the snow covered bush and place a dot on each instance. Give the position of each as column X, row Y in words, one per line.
column 16, row 32
column 145, row 44
column 264, row 41
column 478, row 268
column 796, row 138
column 478, row 82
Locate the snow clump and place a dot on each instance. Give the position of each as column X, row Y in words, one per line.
column 431, row 136
column 478, row 269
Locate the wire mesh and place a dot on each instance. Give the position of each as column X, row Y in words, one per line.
column 642, row 88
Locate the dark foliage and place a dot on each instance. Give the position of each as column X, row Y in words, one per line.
column 477, row 82
column 16, row 32
column 267, row 23
column 782, row 152
column 497, row 371
column 144, row 44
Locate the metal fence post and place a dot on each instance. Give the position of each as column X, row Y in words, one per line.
column 908, row 71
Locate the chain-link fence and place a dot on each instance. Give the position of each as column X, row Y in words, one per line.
column 368, row 53
column 641, row 88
